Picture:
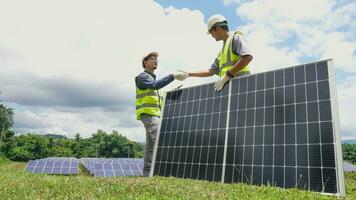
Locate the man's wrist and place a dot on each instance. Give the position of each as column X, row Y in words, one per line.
column 229, row 74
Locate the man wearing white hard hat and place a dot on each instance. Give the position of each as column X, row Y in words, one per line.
column 148, row 102
column 234, row 56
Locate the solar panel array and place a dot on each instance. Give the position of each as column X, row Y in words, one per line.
column 54, row 165
column 280, row 128
column 102, row 167
column 348, row 167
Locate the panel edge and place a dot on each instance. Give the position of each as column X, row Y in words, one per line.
column 157, row 137
column 336, row 128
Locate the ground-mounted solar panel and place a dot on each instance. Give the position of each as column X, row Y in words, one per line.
column 63, row 165
column 113, row 167
column 348, row 167
column 31, row 164
column 279, row 127
column 89, row 163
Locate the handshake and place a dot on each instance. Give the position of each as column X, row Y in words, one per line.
column 180, row 75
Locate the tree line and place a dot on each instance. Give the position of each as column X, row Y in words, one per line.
column 349, row 153
column 33, row 146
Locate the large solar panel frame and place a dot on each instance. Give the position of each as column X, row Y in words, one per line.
column 313, row 169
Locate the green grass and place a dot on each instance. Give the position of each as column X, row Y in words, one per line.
column 16, row 183
column 350, row 184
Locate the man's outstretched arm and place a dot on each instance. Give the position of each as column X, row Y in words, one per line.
column 144, row 82
column 205, row 73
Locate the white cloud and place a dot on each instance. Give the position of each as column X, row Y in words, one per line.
column 347, row 98
column 307, row 10
column 228, row 2
column 342, row 50
column 305, row 29
column 98, row 43
column 343, row 17
column 284, row 33
column 103, row 39
column 266, row 56
column 67, row 121
column 28, row 120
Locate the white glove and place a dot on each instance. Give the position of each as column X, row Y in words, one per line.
column 180, row 75
column 219, row 85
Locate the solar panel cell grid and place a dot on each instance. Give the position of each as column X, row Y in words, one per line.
column 60, row 165
column 114, row 167
column 279, row 126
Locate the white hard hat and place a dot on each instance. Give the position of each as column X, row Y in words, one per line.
column 147, row 56
column 214, row 20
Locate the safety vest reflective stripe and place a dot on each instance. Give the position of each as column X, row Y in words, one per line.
column 148, row 93
column 227, row 58
column 147, row 105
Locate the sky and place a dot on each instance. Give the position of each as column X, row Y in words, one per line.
column 68, row 67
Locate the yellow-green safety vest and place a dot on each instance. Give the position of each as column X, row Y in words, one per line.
column 147, row 101
column 227, row 58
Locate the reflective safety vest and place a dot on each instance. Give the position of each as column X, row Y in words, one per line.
column 147, row 101
column 227, row 58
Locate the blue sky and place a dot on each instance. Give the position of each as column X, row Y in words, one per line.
column 66, row 73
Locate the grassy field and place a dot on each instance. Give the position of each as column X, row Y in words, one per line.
column 16, row 183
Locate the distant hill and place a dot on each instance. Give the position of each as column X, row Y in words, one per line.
column 349, row 142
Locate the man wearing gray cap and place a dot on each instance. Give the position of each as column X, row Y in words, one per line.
column 148, row 102
column 234, row 56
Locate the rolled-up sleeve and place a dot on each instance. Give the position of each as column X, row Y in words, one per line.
column 240, row 46
column 143, row 81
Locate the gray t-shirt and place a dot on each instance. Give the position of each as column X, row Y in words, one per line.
column 239, row 47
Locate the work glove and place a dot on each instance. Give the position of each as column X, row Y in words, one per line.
column 219, row 85
column 180, row 75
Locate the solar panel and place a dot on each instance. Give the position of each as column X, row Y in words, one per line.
column 279, row 127
column 115, row 167
column 31, row 164
column 348, row 167
column 61, row 165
